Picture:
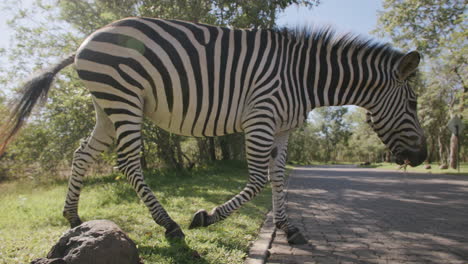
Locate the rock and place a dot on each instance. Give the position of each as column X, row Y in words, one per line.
column 93, row 242
column 427, row 166
column 443, row 167
column 48, row 261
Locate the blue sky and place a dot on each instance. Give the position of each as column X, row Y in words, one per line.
column 359, row 16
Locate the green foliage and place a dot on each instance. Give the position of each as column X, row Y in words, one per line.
column 427, row 25
column 34, row 222
column 364, row 144
column 421, row 169
column 54, row 133
column 335, row 134
column 333, row 129
column 305, row 145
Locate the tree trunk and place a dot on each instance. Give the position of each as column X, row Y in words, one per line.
column 453, row 151
column 201, row 150
column 224, row 145
column 144, row 164
column 431, row 149
column 206, row 149
column 388, row 156
column 212, row 149
column 178, row 155
column 441, row 151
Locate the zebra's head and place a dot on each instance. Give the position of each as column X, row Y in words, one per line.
column 393, row 115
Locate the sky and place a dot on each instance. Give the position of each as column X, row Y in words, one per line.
column 359, row 16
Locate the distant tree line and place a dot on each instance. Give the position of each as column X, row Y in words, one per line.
column 336, row 134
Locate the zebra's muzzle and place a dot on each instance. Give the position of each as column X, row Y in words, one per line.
column 413, row 158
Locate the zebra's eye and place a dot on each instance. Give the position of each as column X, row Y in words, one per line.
column 413, row 104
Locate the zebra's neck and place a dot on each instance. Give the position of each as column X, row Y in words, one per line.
column 335, row 72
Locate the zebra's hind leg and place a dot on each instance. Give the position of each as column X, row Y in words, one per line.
column 258, row 145
column 277, row 164
column 98, row 142
column 129, row 162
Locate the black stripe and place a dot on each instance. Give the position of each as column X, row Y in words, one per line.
column 302, row 75
column 232, row 82
column 209, row 49
column 114, row 62
column 185, row 42
column 117, row 111
column 222, row 74
column 124, row 122
column 335, row 74
column 119, row 39
column 323, row 72
column 106, row 79
column 113, row 97
column 346, row 72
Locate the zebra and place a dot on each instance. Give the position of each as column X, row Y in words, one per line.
column 200, row 80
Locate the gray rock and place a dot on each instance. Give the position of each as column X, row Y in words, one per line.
column 48, row 261
column 93, row 242
column 443, row 166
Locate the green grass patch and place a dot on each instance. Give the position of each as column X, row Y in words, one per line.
column 319, row 163
column 421, row 168
column 31, row 215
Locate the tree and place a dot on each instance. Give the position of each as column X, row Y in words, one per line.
column 438, row 29
column 333, row 129
column 305, row 144
column 363, row 145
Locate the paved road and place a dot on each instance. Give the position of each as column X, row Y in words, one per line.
column 354, row 215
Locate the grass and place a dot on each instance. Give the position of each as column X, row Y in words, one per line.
column 434, row 168
column 392, row 166
column 31, row 220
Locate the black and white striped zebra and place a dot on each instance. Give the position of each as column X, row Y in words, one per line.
column 200, row 80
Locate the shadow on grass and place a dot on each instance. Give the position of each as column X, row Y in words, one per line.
column 224, row 177
column 373, row 166
column 178, row 251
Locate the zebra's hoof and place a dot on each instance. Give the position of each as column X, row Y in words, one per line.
column 296, row 238
column 200, row 219
column 175, row 234
column 75, row 223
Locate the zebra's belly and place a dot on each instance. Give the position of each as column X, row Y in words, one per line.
column 204, row 119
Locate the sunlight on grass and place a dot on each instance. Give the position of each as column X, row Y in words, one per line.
column 31, row 220
column 434, row 168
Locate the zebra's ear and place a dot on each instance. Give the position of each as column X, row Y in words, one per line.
column 408, row 64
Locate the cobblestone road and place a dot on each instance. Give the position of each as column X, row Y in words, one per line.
column 353, row 215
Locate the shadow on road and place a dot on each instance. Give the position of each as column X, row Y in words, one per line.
column 361, row 215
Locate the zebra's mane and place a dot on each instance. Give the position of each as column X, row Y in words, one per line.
column 329, row 37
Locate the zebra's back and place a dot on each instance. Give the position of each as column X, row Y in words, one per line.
column 192, row 79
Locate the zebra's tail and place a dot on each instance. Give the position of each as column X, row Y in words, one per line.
column 34, row 89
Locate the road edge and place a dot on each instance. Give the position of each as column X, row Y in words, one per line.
column 259, row 252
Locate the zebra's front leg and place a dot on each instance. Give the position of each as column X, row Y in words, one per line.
column 129, row 162
column 277, row 168
column 258, row 145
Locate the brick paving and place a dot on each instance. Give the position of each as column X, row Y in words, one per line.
column 354, row 215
